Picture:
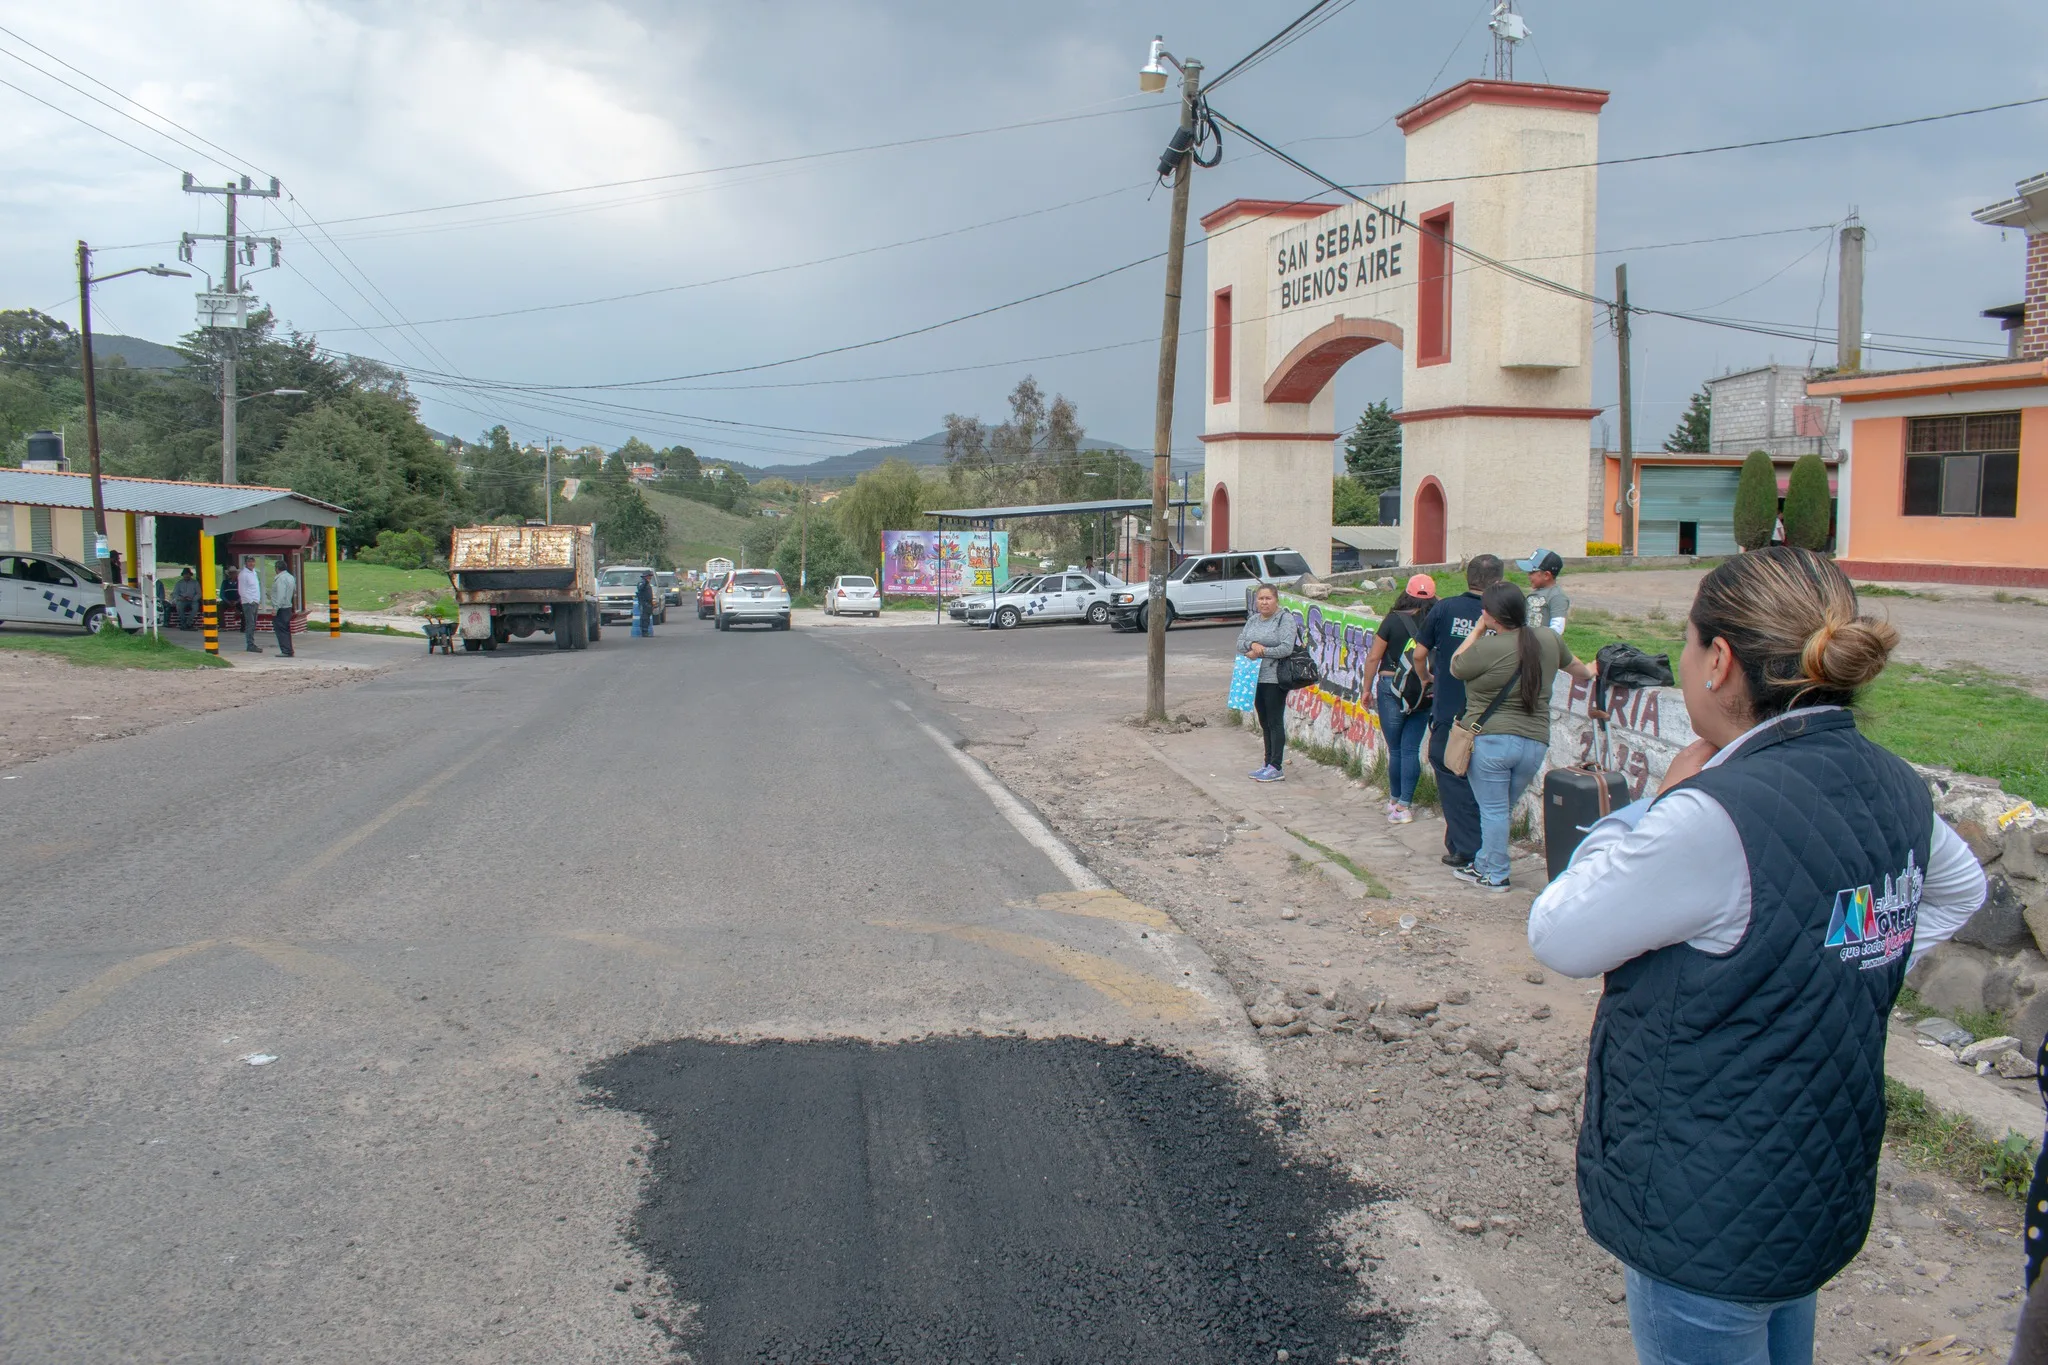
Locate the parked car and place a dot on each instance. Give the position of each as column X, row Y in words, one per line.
column 756, row 596
column 1069, row 596
column 851, row 594
column 670, row 590
column 1208, row 586
column 50, row 590
column 617, row 587
column 707, row 594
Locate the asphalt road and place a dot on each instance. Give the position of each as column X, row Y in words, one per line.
column 302, row 1006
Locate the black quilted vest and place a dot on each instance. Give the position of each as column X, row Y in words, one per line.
column 1734, row 1104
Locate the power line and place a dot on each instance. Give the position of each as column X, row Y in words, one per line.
column 1265, row 49
column 90, row 124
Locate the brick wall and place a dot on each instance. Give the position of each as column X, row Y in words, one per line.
column 2034, row 333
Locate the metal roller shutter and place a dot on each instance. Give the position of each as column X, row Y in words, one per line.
column 1704, row 497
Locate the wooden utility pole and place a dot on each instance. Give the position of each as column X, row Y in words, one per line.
column 230, row 288
column 1162, row 416
column 92, row 431
column 803, row 538
column 1849, row 300
column 1628, row 430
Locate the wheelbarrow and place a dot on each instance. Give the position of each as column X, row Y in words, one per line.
column 440, row 635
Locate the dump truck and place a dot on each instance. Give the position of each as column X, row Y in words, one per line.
column 511, row 581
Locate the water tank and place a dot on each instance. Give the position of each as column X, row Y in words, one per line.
column 1390, row 507
column 45, row 452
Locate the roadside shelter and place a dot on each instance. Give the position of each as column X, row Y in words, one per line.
column 51, row 512
column 1104, row 510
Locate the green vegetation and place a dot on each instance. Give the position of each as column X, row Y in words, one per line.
column 114, row 649
column 1373, row 885
column 1372, row 455
column 1980, row 1023
column 1961, row 718
column 890, row 497
column 1352, row 503
column 1756, row 501
column 1807, row 510
column 371, row 587
column 1935, row 1139
column 1694, row 432
column 401, row 550
column 697, row 531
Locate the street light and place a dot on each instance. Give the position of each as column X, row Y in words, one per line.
column 1152, row 76
column 86, row 280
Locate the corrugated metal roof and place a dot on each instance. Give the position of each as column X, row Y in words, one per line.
column 1368, row 537
column 1054, row 509
column 149, row 497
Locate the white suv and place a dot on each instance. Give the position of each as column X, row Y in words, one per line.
column 1213, row 586
column 755, row 595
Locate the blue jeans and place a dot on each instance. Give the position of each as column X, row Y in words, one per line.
column 1503, row 766
column 1674, row 1326
column 1403, row 734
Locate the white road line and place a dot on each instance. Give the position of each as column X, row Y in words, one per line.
column 1019, row 815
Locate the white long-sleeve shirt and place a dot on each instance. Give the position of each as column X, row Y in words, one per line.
column 1651, row 875
column 248, row 587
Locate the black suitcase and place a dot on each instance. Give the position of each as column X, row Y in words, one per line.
column 1573, row 798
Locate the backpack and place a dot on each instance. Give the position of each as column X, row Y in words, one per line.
column 1411, row 689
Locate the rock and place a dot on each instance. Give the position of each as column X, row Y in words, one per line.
column 1295, row 1029
column 1492, row 1049
column 1504, row 1222
column 1947, row 1032
column 1467, row 1224
column 2001, row 986
column 1482, row 1074
column 1534, row 976
column 2001, row 924
column 1523, row 1070
column 1540, row 1012
column 1314, row 589
column 2030, row 1020
column 1951, row 976
column 1277, row 1014
column 1980, row 839
column 1325, row 1018
column 1300, row 999
column 2022, row 854
column 1417, row 1007
column 1390, row 1030
column 1987, row 1049
column 2014, row 1065
column 1289, row 912
column 1458, row 997
column 1548, row 1102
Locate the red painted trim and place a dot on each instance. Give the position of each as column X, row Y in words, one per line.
column 1433, row 302
column 1220, row 320
column 1865, row 388
column 1571, row 98
column 1268, row 436
column 1431, row 532
column 1481, row 410
column 1264, row 208
column 1320, row 354
column 1904, row 571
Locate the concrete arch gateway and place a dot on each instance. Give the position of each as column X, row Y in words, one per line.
column 1496, row 372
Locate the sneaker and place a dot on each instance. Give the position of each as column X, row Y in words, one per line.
column 1401, row 816
column 1271, row 774
column 1485, row 885
column 1466, row 873
column 1258, row 774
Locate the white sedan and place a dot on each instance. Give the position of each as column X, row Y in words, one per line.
column 853, row 594
column 1069, row 596
column 51, row 590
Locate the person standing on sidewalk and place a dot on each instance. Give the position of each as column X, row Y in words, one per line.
column 1506, row 651
column 249, row 601
column 1268, row 636
column 643, row 603
column 1755, row 920
column 284, row 600
column 1548, row 604
column 1443, row 630
column 1400, row 694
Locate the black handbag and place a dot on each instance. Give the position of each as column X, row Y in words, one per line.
column 1297, row 669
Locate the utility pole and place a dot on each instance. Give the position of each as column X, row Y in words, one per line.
column 92, row 430
column 1849, row 299
column 1162, row 414
column 547, row 458
column 1628, row 430
column 227, row 310
column 803, row 538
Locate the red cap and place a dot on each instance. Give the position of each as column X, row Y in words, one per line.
column 1422, row 585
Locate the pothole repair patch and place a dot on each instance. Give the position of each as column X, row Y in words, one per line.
column 973, row 1199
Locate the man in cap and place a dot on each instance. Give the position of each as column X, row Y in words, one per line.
column 1548, row 605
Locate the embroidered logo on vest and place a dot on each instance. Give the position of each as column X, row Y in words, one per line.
column 1877, row 928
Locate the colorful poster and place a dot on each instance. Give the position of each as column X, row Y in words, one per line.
column 918, row 563
column 1338, row 711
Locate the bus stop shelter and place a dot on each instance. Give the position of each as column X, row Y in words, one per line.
column 1105, row 510
column 44, row 510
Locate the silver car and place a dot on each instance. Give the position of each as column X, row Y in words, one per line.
column 52, row 590
column 852, row 594
column 618, row 588
column 753, row 595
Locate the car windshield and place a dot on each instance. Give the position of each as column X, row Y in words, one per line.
column 1019, row 584
column 756, row 578
column 715, row 582
column 850, row 581
column 619, row 578
column 667, row 580
column 73, row 566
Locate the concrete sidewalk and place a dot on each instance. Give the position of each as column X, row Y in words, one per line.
column 314, row 650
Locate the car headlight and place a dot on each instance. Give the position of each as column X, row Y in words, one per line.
column 1124, row 599
column 132, row 599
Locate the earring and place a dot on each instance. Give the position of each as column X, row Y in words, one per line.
column 1710, row 684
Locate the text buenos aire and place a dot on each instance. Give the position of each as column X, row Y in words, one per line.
column 1305, row 278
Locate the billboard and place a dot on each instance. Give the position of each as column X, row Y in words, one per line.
column 1338, row 711
column 915, row 563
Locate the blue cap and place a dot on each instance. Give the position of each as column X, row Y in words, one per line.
column 1543, row 561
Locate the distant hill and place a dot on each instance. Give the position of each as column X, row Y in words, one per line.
column 928, row 450
column 136, row 353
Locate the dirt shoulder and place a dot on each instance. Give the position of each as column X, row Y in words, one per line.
column 1422, row 1045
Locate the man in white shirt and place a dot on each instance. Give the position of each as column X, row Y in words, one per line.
column 284, row 591
column 249, row 595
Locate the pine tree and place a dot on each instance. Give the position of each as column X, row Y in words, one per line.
column 1372, row 452
column 1756, row 502
column 1694, row 433
column 1807, row 512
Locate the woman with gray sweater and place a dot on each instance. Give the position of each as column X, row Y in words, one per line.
column 1268, row 636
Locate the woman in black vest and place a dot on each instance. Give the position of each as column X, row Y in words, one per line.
column 1754, row 921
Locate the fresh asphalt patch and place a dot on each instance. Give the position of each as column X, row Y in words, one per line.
column 970, row 1199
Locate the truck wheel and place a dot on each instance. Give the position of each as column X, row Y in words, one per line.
column 490, row 643
column 472, row 646
column 559, row 619
column 579, row 628
column 596, row 626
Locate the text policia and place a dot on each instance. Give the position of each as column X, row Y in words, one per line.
column 1361, row 250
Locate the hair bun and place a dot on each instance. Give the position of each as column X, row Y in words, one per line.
column 1847, row 655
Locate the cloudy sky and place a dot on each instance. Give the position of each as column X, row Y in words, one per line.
column 389, row 122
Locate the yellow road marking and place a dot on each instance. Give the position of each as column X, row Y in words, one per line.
column 1105, row 905
column 36, row 853
column 330, row 972
column 1131, row 989
column 62, row 1014
column 321, row 860
column 627, row 943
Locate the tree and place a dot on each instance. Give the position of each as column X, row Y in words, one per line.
column 31, row 338
column 681, row 463
column 890, row 497
column 1372, row 452
column 1353, row 504
column 503, row 481
column 627, row 528
column 1694, row 433
column 1807, row 509
column 762, row 538
column 819, row 553
column 1756, row 501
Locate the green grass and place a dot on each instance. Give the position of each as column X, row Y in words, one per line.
column 1373, row 885
column 1964, row 719
column 697, row 531
column 114, row 649
column 1935, row 1139
column 1980, row 1023
column 370, row 587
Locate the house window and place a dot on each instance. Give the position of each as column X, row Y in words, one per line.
column 1966, row 466
column 1220, row 348
column 1433, row 297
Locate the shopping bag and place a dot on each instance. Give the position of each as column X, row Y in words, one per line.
column 1244, row 683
